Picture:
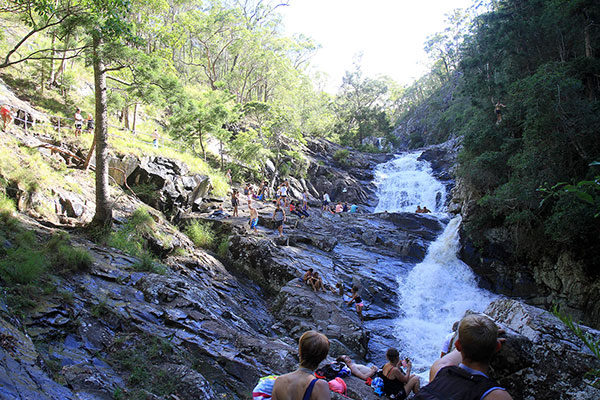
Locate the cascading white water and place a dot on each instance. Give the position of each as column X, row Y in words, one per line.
column 438, row 291
column 405, row 182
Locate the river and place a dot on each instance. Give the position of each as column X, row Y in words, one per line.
column 437, row 291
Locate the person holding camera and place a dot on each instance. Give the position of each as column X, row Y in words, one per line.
column 396, row 383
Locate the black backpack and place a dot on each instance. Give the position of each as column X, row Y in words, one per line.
column 455, row 383
column 329, row 371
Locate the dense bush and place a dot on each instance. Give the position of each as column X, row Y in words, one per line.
column 201, row 234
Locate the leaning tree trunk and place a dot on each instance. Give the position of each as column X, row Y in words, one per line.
column 103, row 216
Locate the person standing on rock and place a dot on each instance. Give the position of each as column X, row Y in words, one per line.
column 78, row 122
column 326, row 201
column 253, row 218
column 279, row 218
column 235, row 202
column 302, row 384
column 358, row 301
column 305, row 200
column 462, row 373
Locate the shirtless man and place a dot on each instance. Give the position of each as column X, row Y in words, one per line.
column 358, row 370
column 465, row 368
column 253, row 218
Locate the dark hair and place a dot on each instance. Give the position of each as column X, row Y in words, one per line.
column 478, row 337
column 392, row 355
column 313, row 347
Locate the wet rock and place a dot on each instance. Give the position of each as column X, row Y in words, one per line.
column 541, row 354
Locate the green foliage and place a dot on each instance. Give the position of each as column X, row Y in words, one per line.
column 148, row 193
column 341, row 155
column 201, row 234
column 223, row 248
column 23, row 265
column 65, row 258
column 146, row 263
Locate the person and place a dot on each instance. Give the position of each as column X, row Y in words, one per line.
column 249, row 195
column 228, row 176
column 89, row 124
column 345, row 209
column 326, row 201
column 296, row 210
column 282, row 193
column 357, row 300
column 265, row 190
column 395, row 382
column 235, row 202
column 7, row 116
column 316, row 282
column 253, row 218
column 220, row 213
column 464, row 369
column 260, row 193
column 498, row 109
column 302, row 210
column 448, row 345
column 426, row 210
column 302, row 384
column 339, row 289
column 305, row 199
column 279, row 218
column 308, row 275
column 339, row 207
column 353, row 209
column 361, row 371
column 78, row 122
column 419, row 210
column 155, row 138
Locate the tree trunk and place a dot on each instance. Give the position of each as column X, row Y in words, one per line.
column 103, row 216
column 202, row 147
column 135, row 107
column 61, row 67
column 126, row 116
column 588, row 54
column 221, row 151
column 52, row 72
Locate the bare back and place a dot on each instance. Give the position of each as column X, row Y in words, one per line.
column 292, row 386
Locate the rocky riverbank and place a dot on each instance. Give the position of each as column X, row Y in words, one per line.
column 207, row 325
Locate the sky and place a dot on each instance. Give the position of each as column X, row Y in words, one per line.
column 390, row 34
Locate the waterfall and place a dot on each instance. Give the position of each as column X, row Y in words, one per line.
column 438, row 291
column 404, row 183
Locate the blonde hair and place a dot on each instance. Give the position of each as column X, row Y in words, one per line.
column 313, row 347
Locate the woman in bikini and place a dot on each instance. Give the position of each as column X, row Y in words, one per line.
column 302, row 383
column 395, row 381
column 358, row 300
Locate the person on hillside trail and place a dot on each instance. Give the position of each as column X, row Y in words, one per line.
column 78, row 122
column 7, row 116
column 89, row 128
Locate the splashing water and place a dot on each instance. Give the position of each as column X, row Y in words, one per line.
column 439, row 290
column 405, row 182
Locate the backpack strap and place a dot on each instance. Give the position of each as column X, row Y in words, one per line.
column 309, row 389
column 456, row 383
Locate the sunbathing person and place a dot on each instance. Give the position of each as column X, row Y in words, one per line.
column 316, row 282
column 308, row 275
column 361, row 371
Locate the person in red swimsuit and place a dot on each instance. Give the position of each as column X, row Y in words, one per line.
column 7, row 116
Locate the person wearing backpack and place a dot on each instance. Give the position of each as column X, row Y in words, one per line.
column 302, row 384
column 461, row 374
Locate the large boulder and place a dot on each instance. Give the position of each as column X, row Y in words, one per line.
column 541, row 357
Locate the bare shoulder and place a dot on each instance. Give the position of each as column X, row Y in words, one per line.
column 321, row 391
column 498, row 395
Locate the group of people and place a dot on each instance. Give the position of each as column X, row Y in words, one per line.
column 79, row 122
column 314, row 280
column 423, row 210
column 462, row 373
column 339, row 207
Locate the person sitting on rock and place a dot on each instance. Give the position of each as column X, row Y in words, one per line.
column 7, row 116
column 353, row 209
column 419, row 210
column 220, row 213
column 308, row 275
column 302, row 384
column 316, row 282
column 361, row 371
column 426, row 210
column 357, row 300
column 395, row 382
column 338, row 289
column 339, row 207
column 345, row 209
column 448, row 345
column 464, row 369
